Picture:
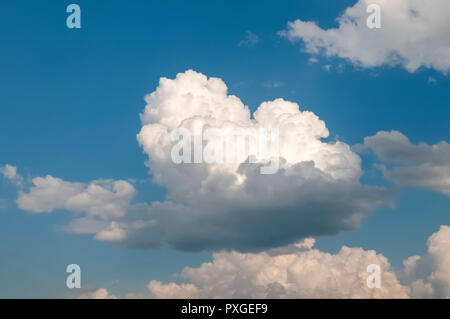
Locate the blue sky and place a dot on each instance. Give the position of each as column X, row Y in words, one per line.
column 70, row 105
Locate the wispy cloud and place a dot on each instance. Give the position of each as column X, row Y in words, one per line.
column 273, row 84
column 327, row 67
column 250, row 39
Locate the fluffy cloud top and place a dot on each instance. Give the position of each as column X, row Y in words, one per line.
column 216, row 206
column 414, row 33
column 232, row 206
column 430, row 274
column 303, row 273
column 306, row 272
column 101, row 293
column 419, row 165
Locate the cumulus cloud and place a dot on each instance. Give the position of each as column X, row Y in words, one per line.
column 105, row 206
column 172, row 290
column 232, row 206
column 100, row 293
column 413, row 33
column 429, row 274
column 419, row 165
column 227, row 205
column 305, row 273
column 125, row 231
column 301, row 271
column 101, row 198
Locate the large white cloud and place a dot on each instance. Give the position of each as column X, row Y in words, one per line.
column 414, row 33
column 301, row 271
column 232, row 206
column 241, row 209
column 215, row 206
column 306, row 272
column 419, row 165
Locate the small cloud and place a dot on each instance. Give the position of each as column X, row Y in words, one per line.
column 273, row 85
column 10, row 173
column 313, row 60
column 250, row 39
column 432, row 80
column 327, row 67
column 101, row 293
